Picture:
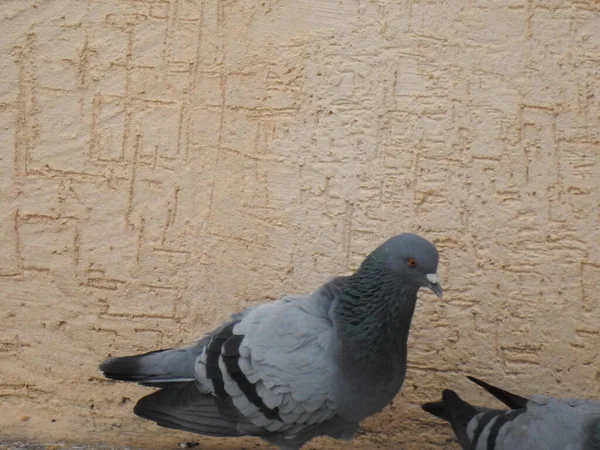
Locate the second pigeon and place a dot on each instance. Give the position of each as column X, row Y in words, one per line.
column 539, row 422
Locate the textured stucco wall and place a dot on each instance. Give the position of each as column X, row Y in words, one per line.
column 164, row 163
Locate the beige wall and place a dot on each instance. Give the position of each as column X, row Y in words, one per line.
column 165, row 163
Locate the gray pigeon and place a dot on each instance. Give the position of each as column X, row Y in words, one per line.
column 300, row 367
column 539, row 422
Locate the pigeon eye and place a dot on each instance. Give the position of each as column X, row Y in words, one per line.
column 411, row 263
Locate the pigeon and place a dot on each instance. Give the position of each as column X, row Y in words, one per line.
column 299, row 367
column 539, row 422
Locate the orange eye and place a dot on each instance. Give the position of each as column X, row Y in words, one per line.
column 412, row 263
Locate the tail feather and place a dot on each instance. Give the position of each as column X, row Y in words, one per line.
column 155, row 368
column 455, row 411
column 513, row 401
column 460, row 413
column 436, row 409
column 185, row 408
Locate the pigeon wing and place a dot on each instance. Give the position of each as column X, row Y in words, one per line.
column 275, row 364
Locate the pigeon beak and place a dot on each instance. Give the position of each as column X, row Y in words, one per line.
column 434, row 284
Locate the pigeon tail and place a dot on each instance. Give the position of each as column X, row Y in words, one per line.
column 513, row 401
column 456, row 411
column 153, row 368
column 436, row 409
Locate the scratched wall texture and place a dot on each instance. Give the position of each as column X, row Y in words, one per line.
column 165, row 163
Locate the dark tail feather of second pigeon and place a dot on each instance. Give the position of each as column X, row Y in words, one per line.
column 456, row 411
column 461, row 413
column 513, row 401
column 437, row 409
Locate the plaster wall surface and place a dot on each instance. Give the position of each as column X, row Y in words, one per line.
column 166, row 162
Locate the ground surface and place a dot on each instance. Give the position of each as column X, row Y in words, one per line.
column 363, row 442
column 366, row 440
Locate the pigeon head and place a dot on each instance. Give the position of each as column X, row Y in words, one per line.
column 411, row 258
